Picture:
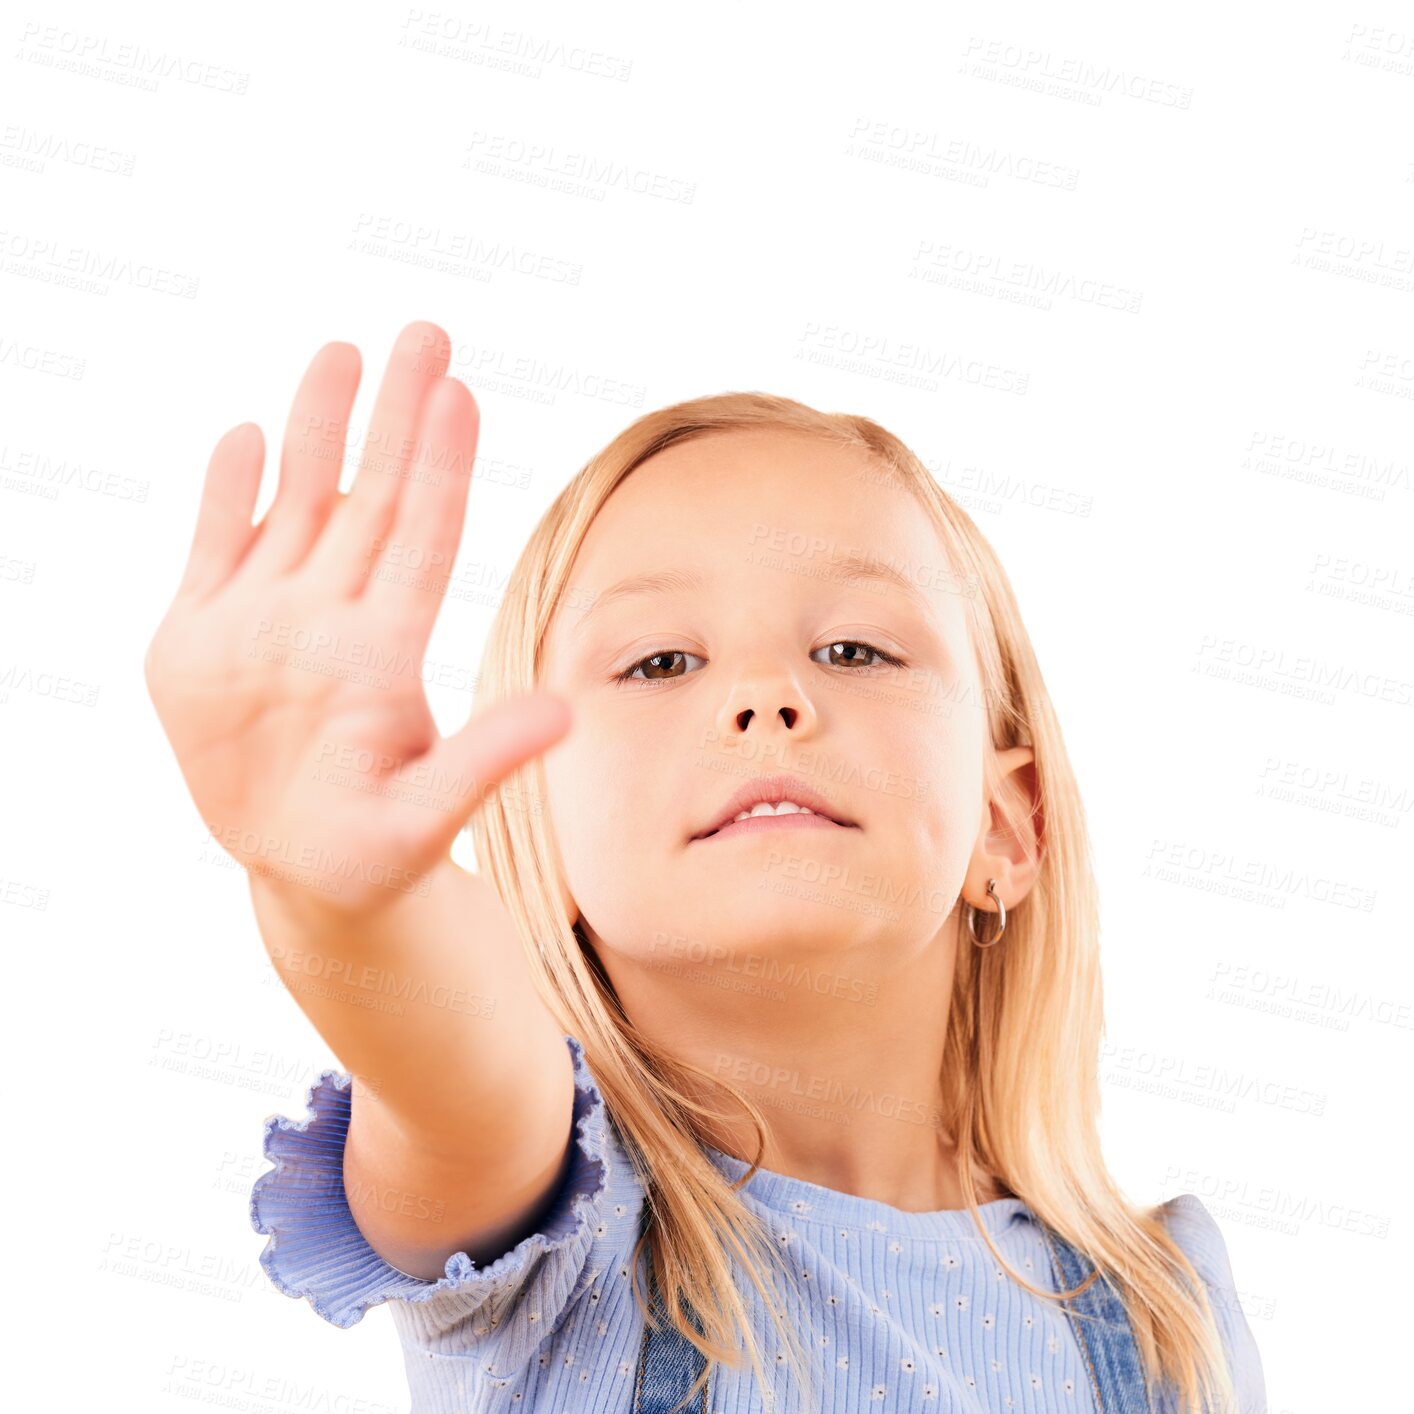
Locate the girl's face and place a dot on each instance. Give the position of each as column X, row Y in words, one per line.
column 708, row 580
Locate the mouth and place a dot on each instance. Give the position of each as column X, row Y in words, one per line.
column 770, row 803
column 760, row 824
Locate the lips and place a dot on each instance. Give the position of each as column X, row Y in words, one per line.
column 773, row 789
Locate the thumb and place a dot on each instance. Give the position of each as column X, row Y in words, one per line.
column 463, row 769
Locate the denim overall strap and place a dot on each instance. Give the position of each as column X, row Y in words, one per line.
column 1106, row 1339
column 668, row 1363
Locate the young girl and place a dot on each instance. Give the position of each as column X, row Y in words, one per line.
column 757, row 1066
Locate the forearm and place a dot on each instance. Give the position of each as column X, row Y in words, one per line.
column 428, row 1002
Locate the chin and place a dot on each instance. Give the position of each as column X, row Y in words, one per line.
column 759, row 916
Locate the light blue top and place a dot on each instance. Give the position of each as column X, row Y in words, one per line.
column 910, row 1313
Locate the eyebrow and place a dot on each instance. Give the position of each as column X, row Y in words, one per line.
column 673, row 581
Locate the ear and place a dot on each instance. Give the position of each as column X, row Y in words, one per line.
column 1011, row 837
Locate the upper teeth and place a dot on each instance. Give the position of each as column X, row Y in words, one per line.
column 783, row 807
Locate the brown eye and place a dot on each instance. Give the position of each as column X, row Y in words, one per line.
column 656, row 666
column 659, row 664
column 660, row 667
column 857, row 659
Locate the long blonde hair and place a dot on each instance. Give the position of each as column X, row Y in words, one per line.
column 1020, row 1079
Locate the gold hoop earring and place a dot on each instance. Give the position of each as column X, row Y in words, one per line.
column 971, row 917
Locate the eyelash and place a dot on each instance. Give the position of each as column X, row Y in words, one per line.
column 627, row 674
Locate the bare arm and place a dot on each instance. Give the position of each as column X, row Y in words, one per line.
column 459, row 1123
column 286, row 674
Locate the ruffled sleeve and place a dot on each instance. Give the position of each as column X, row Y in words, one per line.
column 1196, row 1231
column 316, row 1250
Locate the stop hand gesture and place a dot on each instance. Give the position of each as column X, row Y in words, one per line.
column 286, row 672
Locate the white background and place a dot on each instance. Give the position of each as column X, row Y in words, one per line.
column 1193, row 455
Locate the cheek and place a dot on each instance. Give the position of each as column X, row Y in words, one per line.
column 610, row 790
column 938, row 771
column 619, row 802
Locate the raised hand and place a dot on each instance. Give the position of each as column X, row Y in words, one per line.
column 286, row 672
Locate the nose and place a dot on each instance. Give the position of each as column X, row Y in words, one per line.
column 772, row 701
column 788, row 715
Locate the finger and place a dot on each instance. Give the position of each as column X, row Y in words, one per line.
column 419, row 358
column 472, row 762
column 408, row 573
column 223, row 521
column 310, row 460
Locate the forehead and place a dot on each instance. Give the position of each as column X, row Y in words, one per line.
column 722, row 492
column 745, row 505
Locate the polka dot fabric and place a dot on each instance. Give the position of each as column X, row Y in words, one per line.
column 909, row 1311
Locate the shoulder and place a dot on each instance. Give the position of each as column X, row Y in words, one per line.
column 1197, row 1233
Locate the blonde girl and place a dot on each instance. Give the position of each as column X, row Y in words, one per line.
column 756, row 1066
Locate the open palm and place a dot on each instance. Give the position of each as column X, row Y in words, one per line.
column 287, row 670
